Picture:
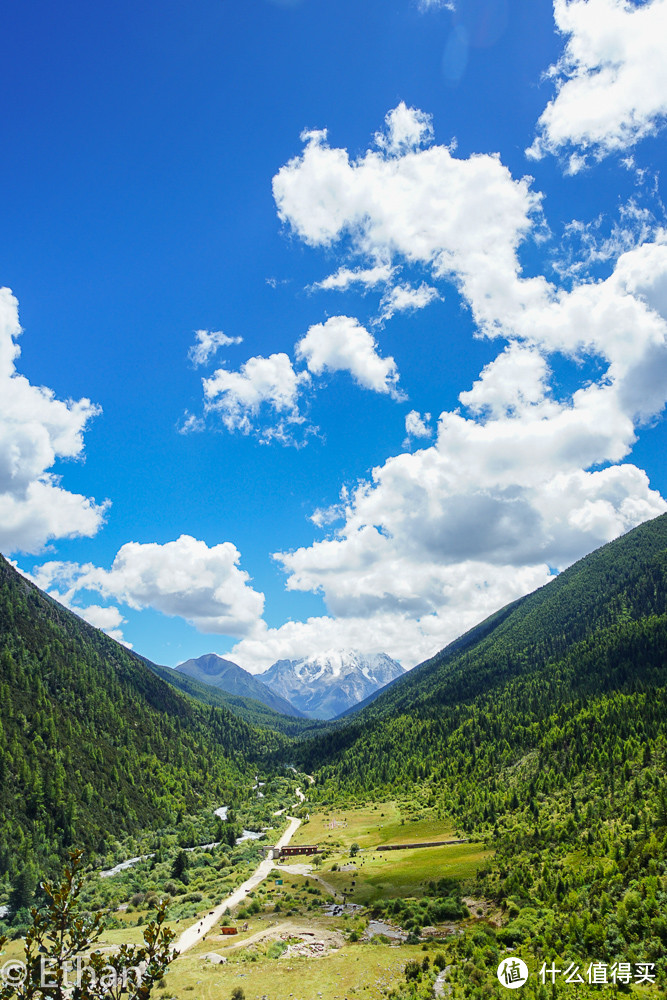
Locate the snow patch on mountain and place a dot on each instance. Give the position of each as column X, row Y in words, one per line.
column 323, row 685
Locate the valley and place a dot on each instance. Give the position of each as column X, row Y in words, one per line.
column 301, row 926
column 506, row 797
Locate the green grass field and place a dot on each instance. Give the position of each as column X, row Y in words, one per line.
column 371, row 825
column 386, row 875
column 359, row 970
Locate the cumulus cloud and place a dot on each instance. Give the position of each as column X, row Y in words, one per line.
column 418, row 426
column 408, row 637
column 463, row 219
column 261, row 385
column 514, row 379
column 437, row 540
column 108, row 619
column 438, row 559
column 185, row 578
column 407, row 298
column 343, row 344
column 611, row 81
column 207, row 344
column 406, row 129
column 36, row 430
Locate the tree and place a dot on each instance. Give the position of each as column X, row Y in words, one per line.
column 57, row 963
column 354, row 850
column 23, row 889
column 180, row 865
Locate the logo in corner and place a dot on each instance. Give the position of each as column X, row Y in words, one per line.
column 512, row 972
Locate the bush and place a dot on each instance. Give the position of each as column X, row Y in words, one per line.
column 412, row 970
column 276, row 949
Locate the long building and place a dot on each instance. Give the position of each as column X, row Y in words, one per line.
column 288, row 852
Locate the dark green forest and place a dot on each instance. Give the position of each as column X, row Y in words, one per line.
column 94, row 746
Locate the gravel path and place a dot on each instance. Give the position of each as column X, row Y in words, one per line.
column 194, row 934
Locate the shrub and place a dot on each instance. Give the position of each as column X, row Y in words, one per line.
column 412, row 969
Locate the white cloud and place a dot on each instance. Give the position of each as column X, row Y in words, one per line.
column 345, row 277
column 323, row 516
column 439, row 539
column 611, row 80
column 36, row 430
column 184, row 578
column 407, row 298
column 422, row 557
column 407, row 128
column 437, row 4
column 516, row 378
column 418, row 426
column 108, row 619
column 588, row 244
column 461, row 218
column 190, row 423
column 464, row 219
column 261, row 384
column 208, row 343
column 343, row 344
column 408, row 637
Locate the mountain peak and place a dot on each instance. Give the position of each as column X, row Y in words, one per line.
column 324, row 684
column 228, row 676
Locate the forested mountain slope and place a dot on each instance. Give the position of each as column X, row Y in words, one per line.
column 93, row 745
column 598, row 628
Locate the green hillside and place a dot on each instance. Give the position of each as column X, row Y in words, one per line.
column 597, row 628
column 93, row 745
column 252, row 711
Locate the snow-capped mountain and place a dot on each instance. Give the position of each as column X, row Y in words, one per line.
column 323, row 685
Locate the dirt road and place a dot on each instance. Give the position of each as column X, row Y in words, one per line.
column 190, row 937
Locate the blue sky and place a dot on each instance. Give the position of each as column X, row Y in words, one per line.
column 342, row 324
